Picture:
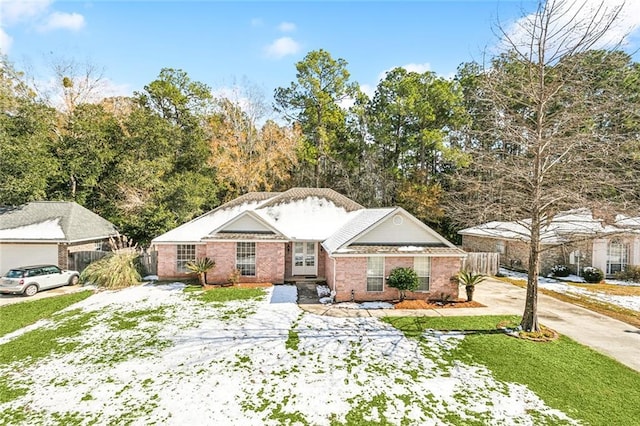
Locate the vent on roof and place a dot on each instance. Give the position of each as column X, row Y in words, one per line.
column 398, row 220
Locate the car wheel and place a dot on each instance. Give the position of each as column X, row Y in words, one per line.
column 73, row 280
column 31, row 290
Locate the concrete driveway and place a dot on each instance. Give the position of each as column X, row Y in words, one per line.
column 7, row 299
column 614, row 338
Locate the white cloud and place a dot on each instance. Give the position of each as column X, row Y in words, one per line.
column 5, row 42
column 287, row 27
column 576, row 15
column 284, row 46
column 368, row 90
column 13, row 11
column 62, row 21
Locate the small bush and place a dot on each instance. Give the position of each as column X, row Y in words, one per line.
column 592, row 275
column 631, row 273
column 404, row 279
column 560, row 271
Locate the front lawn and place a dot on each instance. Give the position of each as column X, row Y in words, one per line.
column 568, row 376
column 21, row 314
column 160, row 355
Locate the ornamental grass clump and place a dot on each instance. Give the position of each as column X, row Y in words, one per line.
column 117, row 269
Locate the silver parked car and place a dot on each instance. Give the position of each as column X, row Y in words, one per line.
column 28, row 280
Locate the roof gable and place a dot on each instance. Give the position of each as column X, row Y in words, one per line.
column 53, row 221
column 385, row 227
column 246, row 222
column 196, row 229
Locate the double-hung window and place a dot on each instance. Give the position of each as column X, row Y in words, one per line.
column 246, row 258
column 375, row 273
column 422, row 266
column 185, row 254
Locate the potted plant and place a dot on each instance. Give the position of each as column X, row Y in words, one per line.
column 469, row 280
column 201, row 266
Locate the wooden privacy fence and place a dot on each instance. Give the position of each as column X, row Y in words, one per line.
column 482, row 263
column 149, row 262
column 78, row 261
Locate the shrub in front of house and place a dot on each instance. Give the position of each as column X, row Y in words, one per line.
column 560, row 271
column 404, row 279
column 631, row 274
column 592, row 275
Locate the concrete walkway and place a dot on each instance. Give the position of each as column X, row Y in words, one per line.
column 617, row 339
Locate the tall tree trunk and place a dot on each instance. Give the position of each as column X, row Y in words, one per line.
column 529, row 320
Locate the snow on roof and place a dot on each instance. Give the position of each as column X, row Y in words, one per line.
column 310, row 218
column 46, row 230
column 358, row 224
column 77, row 223
column 202, row 226
column 571, row 222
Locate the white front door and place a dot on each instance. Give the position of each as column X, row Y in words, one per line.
column 305, row 259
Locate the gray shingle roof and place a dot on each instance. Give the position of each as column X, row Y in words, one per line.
column 338, row 199
column 76, row 222
column 355, row 226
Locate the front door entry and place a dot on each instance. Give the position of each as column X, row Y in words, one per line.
column 305, row 259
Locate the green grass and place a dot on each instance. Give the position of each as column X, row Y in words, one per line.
column 573, row 378
column 42, row 342
column 15, row 316
column 228, row 294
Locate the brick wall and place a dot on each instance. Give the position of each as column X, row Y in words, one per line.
column 168, row 262
column 270, row 262
column 351, row 275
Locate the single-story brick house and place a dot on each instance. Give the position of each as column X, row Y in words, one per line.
column 574, row 238
column 307, row 233
column 47, row 232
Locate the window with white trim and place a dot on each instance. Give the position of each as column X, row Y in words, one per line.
column 617, row 256
column 246, row 258
column 375, row 273
column 422, row 266
column 185, row 253
column 500, row 247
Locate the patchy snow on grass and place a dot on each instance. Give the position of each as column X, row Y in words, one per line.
column 628, row 302
column 157, row 355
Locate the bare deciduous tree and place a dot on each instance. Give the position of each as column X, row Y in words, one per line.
column 551, row 130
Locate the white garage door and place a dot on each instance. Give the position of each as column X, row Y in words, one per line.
column 13, row 255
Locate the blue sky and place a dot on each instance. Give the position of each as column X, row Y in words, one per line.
column 216, row 42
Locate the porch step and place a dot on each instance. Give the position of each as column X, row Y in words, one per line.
column 298, row 279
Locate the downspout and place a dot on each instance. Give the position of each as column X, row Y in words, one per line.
column 334, row 274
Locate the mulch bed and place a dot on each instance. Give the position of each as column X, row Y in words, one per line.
column 239, row 285
column 545, row 334
column 422, row 304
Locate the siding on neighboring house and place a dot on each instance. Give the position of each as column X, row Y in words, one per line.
column 351, row 274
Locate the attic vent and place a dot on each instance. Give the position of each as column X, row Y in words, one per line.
column 397, row 220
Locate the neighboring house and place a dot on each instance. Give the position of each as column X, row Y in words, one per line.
column 316, row 234
column 573, row 238
column 46, row 232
